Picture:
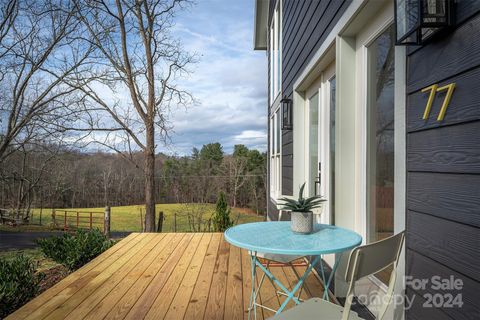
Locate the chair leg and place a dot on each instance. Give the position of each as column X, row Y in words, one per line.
column 274, row 286
column 252, row 305
column 298, row 278
column 290, row 264
column 262, row 279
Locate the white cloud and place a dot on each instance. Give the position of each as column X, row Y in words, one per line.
column 229, row 81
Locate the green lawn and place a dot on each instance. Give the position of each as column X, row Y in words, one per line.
column 128, row 218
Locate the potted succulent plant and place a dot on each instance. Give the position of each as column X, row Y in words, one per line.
column 302, row 215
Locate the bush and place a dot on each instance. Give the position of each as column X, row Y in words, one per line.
column 19, row 283
column 73, row 251
column 221, row 218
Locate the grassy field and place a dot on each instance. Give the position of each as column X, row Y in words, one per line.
column 129, row 218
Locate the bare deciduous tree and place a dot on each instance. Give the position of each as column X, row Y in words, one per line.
column 8, row 14
column 236, row 168
column 39, row 47
column 135, row 81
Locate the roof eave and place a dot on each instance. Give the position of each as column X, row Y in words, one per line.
column 260, row 27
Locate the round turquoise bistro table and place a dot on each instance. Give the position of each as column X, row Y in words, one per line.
column 278, row 238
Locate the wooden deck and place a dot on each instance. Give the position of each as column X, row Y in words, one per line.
column 162, row 276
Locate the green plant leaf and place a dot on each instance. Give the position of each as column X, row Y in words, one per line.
column 309, row 200
column 302, row 204
column 300, row 194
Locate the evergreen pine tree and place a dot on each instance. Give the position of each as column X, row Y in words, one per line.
column 221, row 218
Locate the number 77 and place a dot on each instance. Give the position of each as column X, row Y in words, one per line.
column 433, row 90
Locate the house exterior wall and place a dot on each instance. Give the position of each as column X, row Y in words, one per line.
column 442, row 217
column 305, row 26
column 443, row 167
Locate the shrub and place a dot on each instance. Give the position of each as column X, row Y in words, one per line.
column 73, row 251
column 221, row 218
column 19, row 283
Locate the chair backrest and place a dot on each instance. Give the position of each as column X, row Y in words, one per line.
column 372, row 258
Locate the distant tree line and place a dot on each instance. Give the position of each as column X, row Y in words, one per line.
column 52, row 176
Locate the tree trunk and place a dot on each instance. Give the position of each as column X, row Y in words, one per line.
column 235, row 195
column 150, row 179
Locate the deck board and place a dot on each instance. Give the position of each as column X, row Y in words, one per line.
column 216, row 300
column 198, row 300
column 138, row 276
column 50, row 305
column 52, row 292
column 163, row 276
column 138, row 263
column 234, row 298
column 185, row 274
column 103, row 283
column 177, row 259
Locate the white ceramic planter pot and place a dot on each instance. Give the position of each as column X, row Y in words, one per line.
column 302, row 222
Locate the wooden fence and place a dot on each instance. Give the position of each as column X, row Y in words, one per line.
column 73, row 219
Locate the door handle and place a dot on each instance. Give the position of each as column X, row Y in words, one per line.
column 317, row 187
column 318, row 181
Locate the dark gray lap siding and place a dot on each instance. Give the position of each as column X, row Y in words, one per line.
column 306, row 24
column 443, row 168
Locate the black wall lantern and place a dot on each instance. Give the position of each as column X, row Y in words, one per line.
column 418, row 20
column 286, row 114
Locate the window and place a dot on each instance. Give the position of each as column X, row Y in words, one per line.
column 275, row 154
column 275, row 84
column 276, row 53
column 380, row 146
column 333, row 88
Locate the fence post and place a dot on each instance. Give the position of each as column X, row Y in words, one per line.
column 91, row 220
column 78, row 218
column 174, row 222
column 40, row 216
column 106, row 224
column 65, row 222
column 160, row 222
column 54, row 219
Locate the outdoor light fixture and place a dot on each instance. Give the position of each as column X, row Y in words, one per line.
column 286, row 114
column 418, row 20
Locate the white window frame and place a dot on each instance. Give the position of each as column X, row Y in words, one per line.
column 275, row 88
column 275, row 53
column 275, row 155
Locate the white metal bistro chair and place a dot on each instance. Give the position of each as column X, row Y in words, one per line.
column 272, row 260
column 363, row 261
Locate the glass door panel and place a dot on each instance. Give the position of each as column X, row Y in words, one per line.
column 313, row 104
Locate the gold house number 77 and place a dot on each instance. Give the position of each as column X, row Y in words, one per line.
column 434, row 88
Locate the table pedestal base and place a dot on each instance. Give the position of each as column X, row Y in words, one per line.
column 290, row 294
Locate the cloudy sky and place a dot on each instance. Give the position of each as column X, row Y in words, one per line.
column 229, row 81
